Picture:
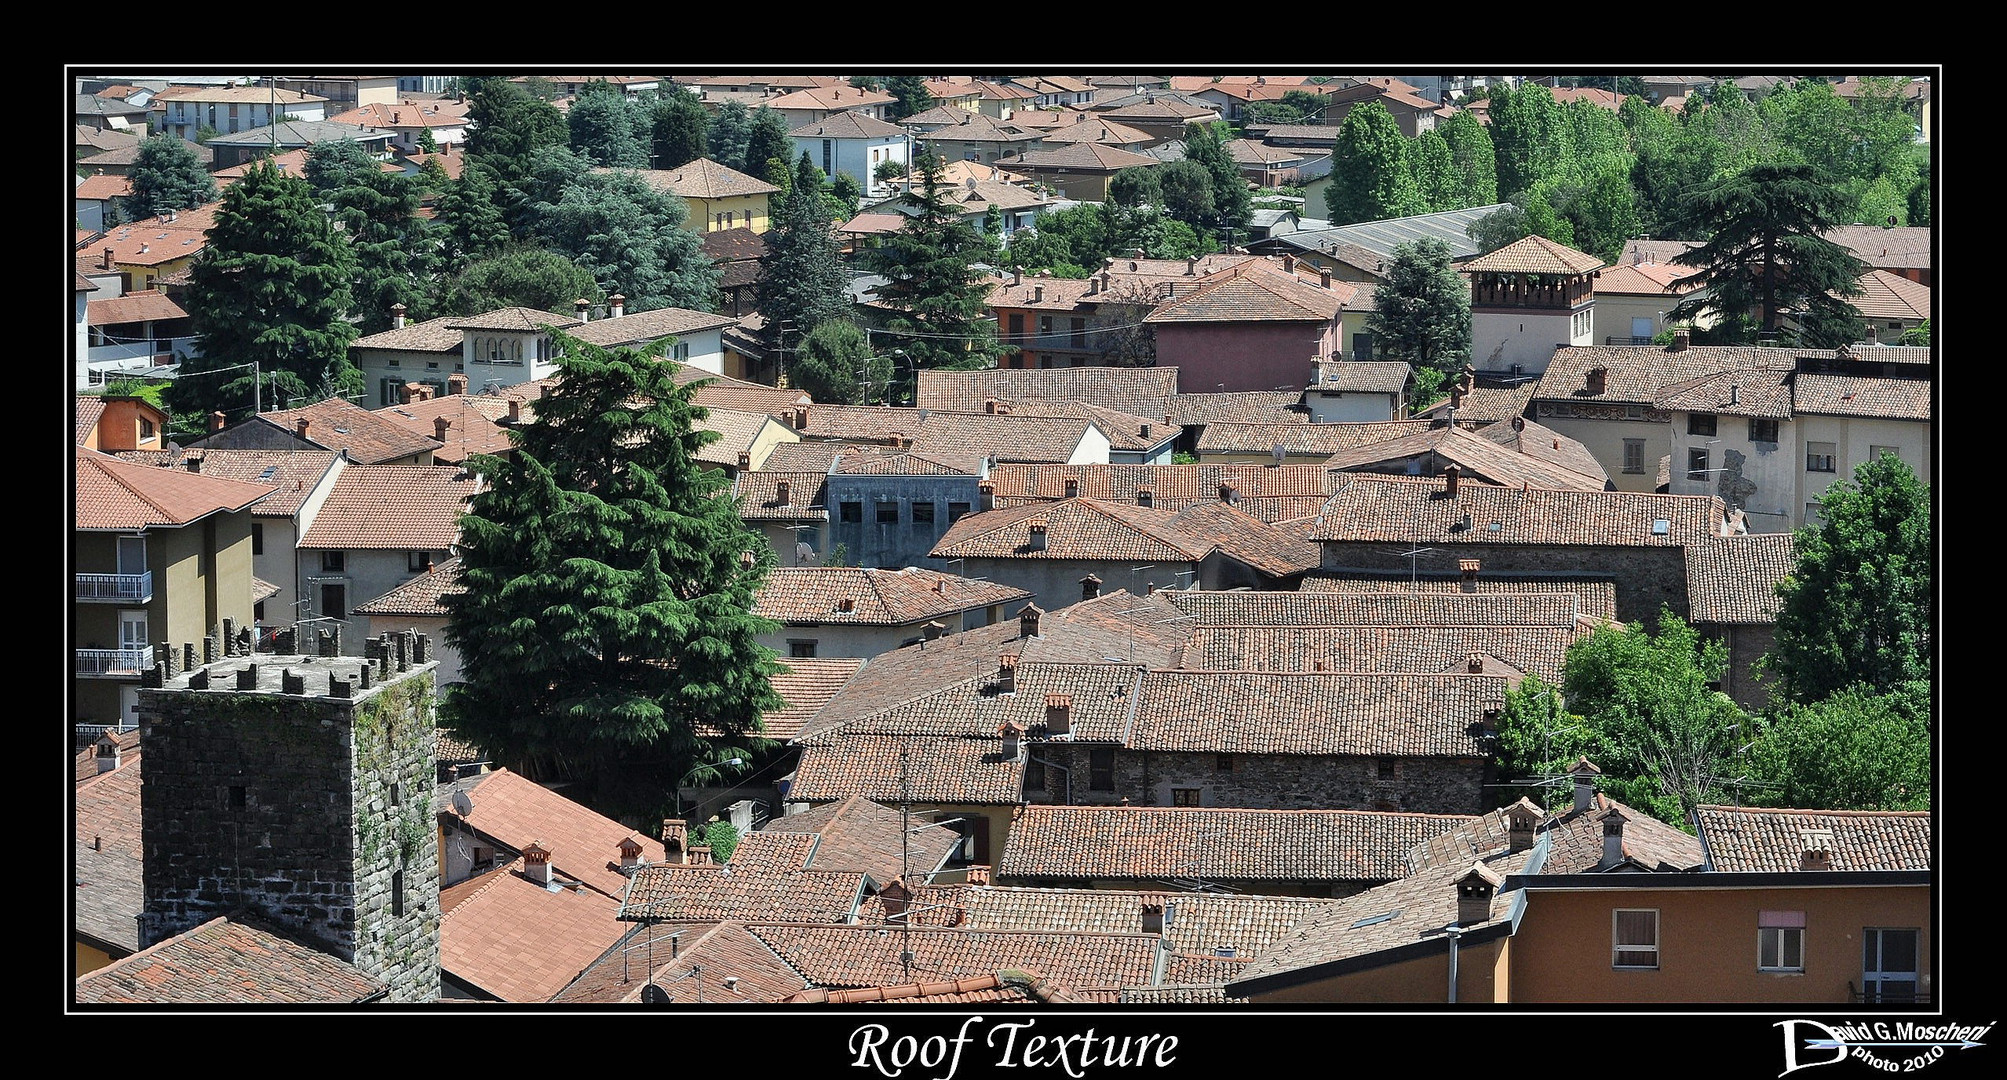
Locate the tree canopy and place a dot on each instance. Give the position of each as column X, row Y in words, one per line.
column 1855, row 750
column 1766, row 253
column 1232, row 203
column 605, row 627
column 627, row 235
column 1422, row 308
column 520, row 276
column 166, row 175
column 606, row 128
column 936, row 299
column 1371, row 179
column 802, row 283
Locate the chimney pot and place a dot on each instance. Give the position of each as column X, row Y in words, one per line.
column 439, row 426
column 934, row 629
column 515, row 410
column 1613, row 838
column 1521, row 819
column 1059, row 714
column 1007, row 673
column 1585, row 783
column 1474, row 891
column 537, row 862
column 300, row 427
column 1598, row 379
column 1450, row 476
column 616, row 306
column 216, row 420
column 1680, row 339
column 1090, row 587
column 781, row 492
column 1027, row 621
column 745, row 460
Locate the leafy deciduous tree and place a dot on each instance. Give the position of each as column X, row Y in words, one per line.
column 1370, row 176
column 1855, row 750
column 1423, row 308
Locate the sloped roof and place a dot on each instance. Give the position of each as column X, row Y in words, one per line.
column 1887, row 296
column 473, row 422
column 949, row 771
column 814, row 595
column 420, row 597
column 717, row 891
column 1761, row 839
column 859, row 834
column 1142, row 391
column 1074, row 529
column 338, row 424
column 857, row 956
column 1400, row 510
column 1092, row 157
column 638, row 328
column 1306, row 438
column 110, row 886
column 704, row 178
column 1637, row 374
column 1237, row 406
column 516, row 811
column 1534, row 255
column 1594, row 599
column 1552, row 461
column 1162, row 842
column 1332, row 608
column 1645, row 279
column 1314, row 713
column 521, row 941
column 847, row 124
column 1511, row 650
column 1861, row 395
column 806, row 684
column 392, row 507
column 295, row 474
column 234, row 959
column 723, row 950
column 1733, row 579
column 1252, row 291
column 1362, row 376
column 110, row 494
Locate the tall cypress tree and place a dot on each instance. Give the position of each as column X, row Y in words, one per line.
column 605, row 626
column 396, row 257
column 273, row 286
column 767, row 142
column 801, row 272
column 937, row 298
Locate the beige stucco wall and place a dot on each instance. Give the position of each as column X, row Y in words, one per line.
column 1481, row 978
column 1524, row 337
column 1852, row 437
column 1604, row 439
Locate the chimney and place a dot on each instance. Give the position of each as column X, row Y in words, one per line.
column 1146, row 431
column 616, row 306
column 300, row 427
column 1456, row 395
column 1058, row 714
column 1468, row 568
column 582, row 309
column 630, row 852
column 1613, row 838
column 1585, row 775
column 1474, row 890
column 700, row 855
column 1145, row 497
column 1007, row 673
column 990, row 406
column 1598, row 379
column 801, row 418
column 1324, row 276
column 537, row 862
column 216, row 421
column 896, row 897
column 979, row 875
column 1818, row 854
column 934, row 629
column 193, row 464
column 676, row 840
column 1288, row 263
column 986, row 496
column 1153, row 916
column 106, row 263
column 1037, row 541
column 1469, row 378
column 1027, row 621
column 1229, row 493
column 439, row 426
column 1521, row 819
column 1093, row 285
column 846, row 605
column 1680, row 338
column 107, row 753
column 1475, row 664
column 515, row 410
column 1017, row 276
column 745, row 460
column 456, row 383
column 397, row 316
column 1450, row 474
column 1012, row 731
column 1090, row 587
column 1871, row 335
column 780, row 492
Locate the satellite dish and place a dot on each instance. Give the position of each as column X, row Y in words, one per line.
column 173, row 451
column 1892, row 221
column 654, row 995
column 1280, row 451
column 462, row 805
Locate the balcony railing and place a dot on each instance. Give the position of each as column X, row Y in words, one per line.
column 113, row 663
column 115, row 588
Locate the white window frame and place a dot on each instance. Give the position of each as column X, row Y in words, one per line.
column 1830, row 459
column 1875, row 976
column 1618, row 946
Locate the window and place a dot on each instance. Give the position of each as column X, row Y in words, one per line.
column 1812, row 513
column 1762, row 430
column 1079, row 335
column 888, row 513
column 237, row 797
column 681, row 352
column 800, row 650
column 334, row 562
column 1696, row 464
column 1700, row 423
column 1185, row 796
column 418, row 562
column 1634, row 455
column 396, row 893
column 257, row 538
column 334, row 601
column 956, row 510
column 1016, row 328
column 1101, row 768
column 1362, row 346
column 1045, row 326
column 1780, row 941
column 145, row 429
column 1888, row 965
column 851, row 512
column 1636, row 939
column 1819, row 456
column 923, row 513
column 1223, row 763
column 1385, row 769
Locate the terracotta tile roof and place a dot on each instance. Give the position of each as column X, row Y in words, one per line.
column 1362, row 376
column 1097, row 129
column 1443, row 609
column 1593, row 599
column 521, row 941
column 1510, row 651
column 704, row 179
column 336, row 424
column 1493, row 398
column 108, row 872
column 144, row 244
column 1533, row 255
column 944, row 770
column 110, row 494
column 1003, row 438
column 1314, row 713
column 1006, row 987
column 1565, row 458
column 1241, row 407
column 408, row 507
column 516, row 811
column 439, row 335
column 835, row 458
column 1187, row 994
column 1903, row 248
column 1732, row 580
column 848, row 124
column 231, row 960
column 1886, row 296
column 1550, row 460
column 514, row 318
column 1740, row 392
column 103, row 186
column 295, row 474
column 420, row 597
column 1171, row 486
column 1391, row 509
column 857, row 956
column 1750, row 838
column 640, row 327
column 738, row 432
column 1860, row 395
column 1303, row 440
column 736, row 244
column 723, row 950
column 716, row 892
column 90, row 408
column 758, row 494
column 1089, row 157
column 473, row 423
column 1636, row 374
column 815, row 595
column 1142, row 391
column 1253, row 292
column 858, row 834
column 1073, row 529
column 1218, row 844
column 806, row 685
column 870, row 423
column 1125, row 431
column 1575, row 839
column 1645, row 279
column 1275, row 549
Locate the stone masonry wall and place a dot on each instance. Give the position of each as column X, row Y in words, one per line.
column 1646, row 577
column 1266, row 781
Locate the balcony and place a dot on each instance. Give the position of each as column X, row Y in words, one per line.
column 113, row 663
column 115, row 588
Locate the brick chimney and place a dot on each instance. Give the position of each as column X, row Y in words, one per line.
column 801, row 418
column 986, row 496
column 979, row 875
column 1818, row 853
column 537, row 862
column 1450, row 475
column 105, row 263
column 1090, row 587
column 1191, row 265
column 1027, row 621
column 1680, row 339
column 745, row 460
column 1153, row 916
column 1037, row 541
column 1013, row 742
column 192, row 464
column 1598, row 379
column 1007, row 673
column 1474, row 891
column 1145, row 496
column 397, row 316
column 846, row 605
column 1613, row 838
column 896, row 897
column 1229, row 493
column 1468, row 568
column 1072, row 487
column 630, row 852
column 300, row 426
column 1585, row 783
column 1038, row 294
column 582, row 310
column 990, row 406
column 700, row 855
column 676, row 840
column 616, row 306
column 216, row 421
column 1288, row 263
column 1475, row 663
column 1058, row 714
column 781, row 492
column 1521, row 820
column 439, row 426
column 1325, row 277
column 515, row 410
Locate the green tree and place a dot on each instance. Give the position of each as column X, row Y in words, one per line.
column 722, row 837
column 1371, row 179
column 938, row 301
column 802, row 282
column 681, row 127
column 272, row 287
column 767, row 143
column 1135, row 186
column 1855, row 750
column 605, row 629
column 334, row 164
column 1529, row 136
column 1917, row 335
column 1434, row 168
column 1422, row 312
column 506, row 125
column 520, row 276
column 1232, row 203
column 730, row 128
column 1186, row 189
column 1069, row 242
column 166, row 175
column 834, row 364
column 1766, row 252
column 1475, row 162
column 1859, row 606
column 604, row 127
column 469, row 218
column 911, row 94
column 1502, row 226
column 628, row 235
column 394, row 253
column 426, row 143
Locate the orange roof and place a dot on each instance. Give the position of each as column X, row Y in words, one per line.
column 117, row 495
column 521, row 941
column 516, row 811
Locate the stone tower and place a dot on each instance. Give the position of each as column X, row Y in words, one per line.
column 299, row 788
